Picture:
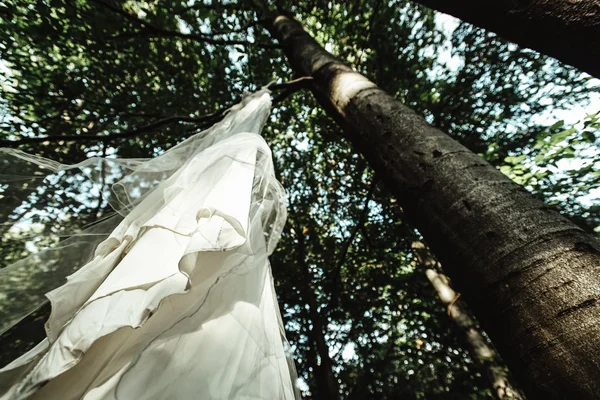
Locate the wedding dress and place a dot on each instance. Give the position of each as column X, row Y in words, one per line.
column 178, row 301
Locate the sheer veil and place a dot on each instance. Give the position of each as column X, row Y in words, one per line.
column 168, row 296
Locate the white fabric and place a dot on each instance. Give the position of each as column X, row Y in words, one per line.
column 178, row 303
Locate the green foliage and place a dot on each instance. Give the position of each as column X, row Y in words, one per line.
column 562, row 168
column 89, row 67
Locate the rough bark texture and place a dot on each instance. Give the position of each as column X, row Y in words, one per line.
column 482, row 354
column 531, row 276
column 568, row 30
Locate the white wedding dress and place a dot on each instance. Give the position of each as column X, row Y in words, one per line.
column 178, row 302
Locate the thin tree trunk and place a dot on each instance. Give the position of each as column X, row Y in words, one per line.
column 568, row 30
column 530, row 275
column 325, row 379
column 482, row 354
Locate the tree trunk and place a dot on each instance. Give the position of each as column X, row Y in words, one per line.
column 326, row 381
column 568, row 30
column 531, row 276
column 482, row 354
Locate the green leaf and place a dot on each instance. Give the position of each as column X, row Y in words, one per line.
column 514, row 160
column 589, row 136
column 560, row 136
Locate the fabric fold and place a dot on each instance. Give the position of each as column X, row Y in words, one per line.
column 179, row 300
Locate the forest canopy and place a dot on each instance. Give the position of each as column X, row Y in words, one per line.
column 131, row 79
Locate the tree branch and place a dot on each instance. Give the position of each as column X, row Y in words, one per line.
column 289, row 87
column 344, row 253
column 199, row 5
column 160, row 33
column 328, row 384
column 298, row 83
column 243, row 28
column 210, row 118
column 151, row 30
column 123, row 13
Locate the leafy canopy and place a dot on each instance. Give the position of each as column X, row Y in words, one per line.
column 356, row 303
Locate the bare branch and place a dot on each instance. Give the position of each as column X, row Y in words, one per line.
column 243, row 28
column 344, row 252
column 161, row 33
column 151, row 30
column 289, row 87
column 124, row 14
column 210, row 118
column 298, row 83
column 200, row 5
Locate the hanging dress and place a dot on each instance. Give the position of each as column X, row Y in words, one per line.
column 178, row 301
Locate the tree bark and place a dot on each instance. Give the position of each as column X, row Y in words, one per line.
column 483, row 355
column 568, row 30
column 531, row 276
